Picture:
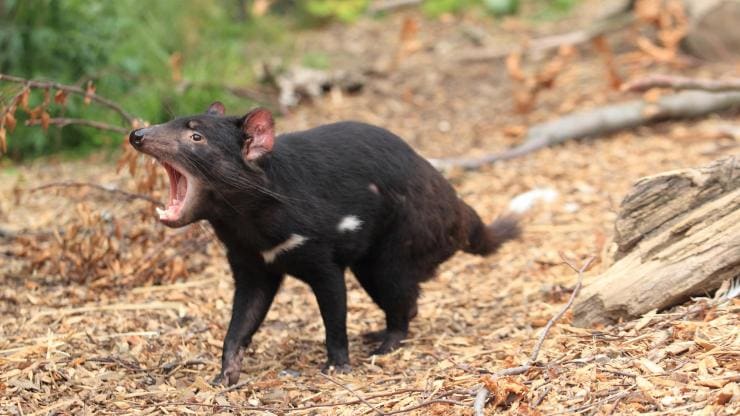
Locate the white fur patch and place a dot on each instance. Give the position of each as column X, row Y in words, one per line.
column 349, row 223
column 294, row 241
column 524, row 202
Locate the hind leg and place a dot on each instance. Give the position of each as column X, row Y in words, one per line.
column 395, row 289
column 376, row 337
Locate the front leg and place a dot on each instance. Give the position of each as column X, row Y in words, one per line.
column 253, row 295
column 331, row 294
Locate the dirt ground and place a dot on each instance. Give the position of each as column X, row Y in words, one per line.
column 72, row 344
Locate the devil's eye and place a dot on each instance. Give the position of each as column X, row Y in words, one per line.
column 196, row 137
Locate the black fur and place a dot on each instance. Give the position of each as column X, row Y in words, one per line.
column 412, row 220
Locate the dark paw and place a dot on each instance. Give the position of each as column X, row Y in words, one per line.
column 219, row 381
column 329, row 368
column 374, row 337
column 225, row 380
column 391, row 341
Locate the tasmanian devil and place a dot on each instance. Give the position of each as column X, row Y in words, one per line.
column 312, row 204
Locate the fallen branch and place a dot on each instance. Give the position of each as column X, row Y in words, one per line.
column 74, row 90
column 354, row 393
column 682, row 83
column 381, row 6
column 425, row 404
column 360, row 399
column 61, row 122
column 544, row 44
column 602, row 121
column 127, row 195
column 481, row 396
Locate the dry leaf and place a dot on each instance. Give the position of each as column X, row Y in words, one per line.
column 502, row 388
column 261, row 7
column 45, row 118
column 89, row 92
column 60, row 97
column 10, row 121
column 23, row 98
column 514, row 67
column 3, row 140
column 729, row 391
column 176, row 66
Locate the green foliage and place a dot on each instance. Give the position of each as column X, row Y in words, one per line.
column 315, row 60
column 439, row 7
column 553, row 9
column 128, row 49
column 502, row 7
column 343, row 10
column 165, row 58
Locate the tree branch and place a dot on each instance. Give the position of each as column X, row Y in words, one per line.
column 682, row 83
column 61, row 122
column 126, row 195
column 130, row 119
column 380, row 6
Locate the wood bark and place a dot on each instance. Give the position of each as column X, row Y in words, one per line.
column 712, row 33
column 677, row 235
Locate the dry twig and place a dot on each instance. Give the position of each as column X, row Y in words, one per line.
column 130, row 119
column 127, row 195
column 682, row 83
column 354, row 393
column 61, row 122
column 381, row 6
column 481, row 396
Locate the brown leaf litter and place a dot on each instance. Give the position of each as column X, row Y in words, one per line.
column 104, row 311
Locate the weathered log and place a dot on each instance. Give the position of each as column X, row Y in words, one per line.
column 677, row 235
column 712, row 33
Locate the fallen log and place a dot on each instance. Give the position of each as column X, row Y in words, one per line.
column 677, row 235
column 602, row 121
column 712, row 33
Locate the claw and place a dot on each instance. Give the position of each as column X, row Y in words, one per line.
column 338, row 369
column 219, row 381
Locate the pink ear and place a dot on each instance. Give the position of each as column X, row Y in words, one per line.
column 260, row 130
column 216, row 109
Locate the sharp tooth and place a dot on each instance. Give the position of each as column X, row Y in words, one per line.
column 160, row 212
column 154, row 161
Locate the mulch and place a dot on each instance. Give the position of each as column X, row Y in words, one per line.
column 104, row 311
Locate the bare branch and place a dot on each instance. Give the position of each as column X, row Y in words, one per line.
column 551, row 322
column 130, row 119
column 481, row 396
column 682, row 83
column 61, row 122
column 354, row 393
column 380, row 6
column 126, row 195
column 604, row 120
column 425, row 404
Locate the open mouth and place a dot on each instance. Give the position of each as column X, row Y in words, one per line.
column 178, row 194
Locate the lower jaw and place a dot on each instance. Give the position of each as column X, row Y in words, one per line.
column 172, row 223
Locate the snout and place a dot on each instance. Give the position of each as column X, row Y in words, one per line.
column 136, row 138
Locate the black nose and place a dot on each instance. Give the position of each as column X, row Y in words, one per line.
column 136, row 137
